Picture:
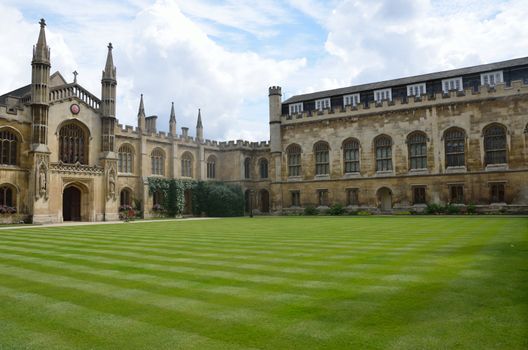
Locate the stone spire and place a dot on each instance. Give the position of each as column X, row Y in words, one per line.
column 141, row 115
column 172, row 121
column 199, row 127
column 41, row 52
column 110, row 70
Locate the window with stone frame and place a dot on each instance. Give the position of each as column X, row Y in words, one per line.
column 322, row 198
column 455, row 143
column 383, row 153
column 158, row 199
column 158, row 162
column 293, row 153
column 495, row 144
column 322, row 158
column 125, row 159
column 211, row 167
column 497, row 192
column 417, row 145
column 352, row 196
column 419, row 195
column 263, row 167
column 295, row 198
column 125, row 197
column 186, row 165
column 73, row 144
column 351, row 156
column 456, row 194
column 247, row 168
column 8, row 148
column 7, row 196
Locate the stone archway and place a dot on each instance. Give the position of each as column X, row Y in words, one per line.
column 187, row 209
column 264, row 201
column 71, row 204
column 385, row 199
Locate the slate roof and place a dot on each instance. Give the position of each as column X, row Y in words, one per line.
column 409, row 80
column 20, row 92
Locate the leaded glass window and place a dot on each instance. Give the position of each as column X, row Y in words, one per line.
column 455, row 141
column 125, row 157
column 73, row 145
column 8, row 148
column 322, row 158
column 351, row 156
column 383, row 153
column 495, row 144
column 294, row 160
column 158, row 162
column 417, row 143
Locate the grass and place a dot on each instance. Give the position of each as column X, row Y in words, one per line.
column 268, row 283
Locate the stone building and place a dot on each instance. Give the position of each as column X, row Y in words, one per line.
column 458, row 136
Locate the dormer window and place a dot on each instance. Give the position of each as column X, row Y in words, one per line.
column 351, row 100
column 296, row 108
column 384, row 94
column 491, row 78
column 452, row 84
column 322, row 104
column 416, row 89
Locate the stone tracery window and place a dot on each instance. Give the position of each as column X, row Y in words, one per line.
column 125, row 159
column 247, row 168
column 455, row 141
column 125, row 197
column 8, row 148
column 351, row 156
column 417, row 145
column 294, row 160
column 211, row 167
column 73, row 144
column 495, row 144
column 7, row 196
column 263, row 166
column 322, row 158
column 186, row 165
column 158, row 162
column 383, row 153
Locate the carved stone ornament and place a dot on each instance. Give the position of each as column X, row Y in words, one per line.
column 111, row 183
column 42, row 178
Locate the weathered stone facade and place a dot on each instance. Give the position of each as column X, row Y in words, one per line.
column 65, row 157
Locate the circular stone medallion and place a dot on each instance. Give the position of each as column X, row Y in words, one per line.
column 75, row 109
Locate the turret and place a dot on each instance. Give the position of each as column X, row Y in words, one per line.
column 40, row 68
column 141, row 115
column 108, row 98
column 199, row 127
column 172, row 122
column 275, row 100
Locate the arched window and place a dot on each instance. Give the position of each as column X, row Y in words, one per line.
column 186, row 165
column 73, row 144
column 417, row 145
column 158, row 200
column 294, row 160
column 158, row 162
column 247, row 168
column 211, row 167
column 495, row 144
column 7, row 197
column 8, row 148
column 126, row 156
column 455, row 143
column 351, row 155
column 322, row 158
column 125, row 197
column 263, row 166
column 383, row 153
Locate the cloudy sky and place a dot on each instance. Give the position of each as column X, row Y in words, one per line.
column 221, row 56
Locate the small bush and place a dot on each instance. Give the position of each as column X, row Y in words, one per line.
column 452, row 209
column 311, row 211
column 403, row 213
column 364, row 213
column 471, row 209
column 434, row 208
column 353, row 212
column 336, row 209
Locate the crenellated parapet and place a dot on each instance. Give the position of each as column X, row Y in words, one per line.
column 243, row 145
column 483, row 93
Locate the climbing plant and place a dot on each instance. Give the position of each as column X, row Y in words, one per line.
column 173, row 191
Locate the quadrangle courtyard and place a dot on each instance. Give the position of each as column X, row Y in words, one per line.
column 268, row 283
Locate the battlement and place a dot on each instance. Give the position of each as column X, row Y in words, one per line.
column 484, row 92
column 275, row 90
column 241, row 144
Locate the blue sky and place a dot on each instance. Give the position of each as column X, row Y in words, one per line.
column 221, row 56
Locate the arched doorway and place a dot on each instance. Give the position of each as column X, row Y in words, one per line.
column 187, row 210
column 264, row 201
column 247, row 198
column 385, row 199
column 71, row 204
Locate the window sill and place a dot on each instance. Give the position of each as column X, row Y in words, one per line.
column 419, row 171
column 456, row 169
column 322, row 177
column 126, row 174
column 351, row 175
column 294, row 178
column 383, row 173
column 495, row 167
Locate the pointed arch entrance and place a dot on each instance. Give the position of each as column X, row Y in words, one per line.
column 71, row 204
column 264, row 201
column 385, row 199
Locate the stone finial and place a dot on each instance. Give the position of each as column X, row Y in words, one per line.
column 199, row 122
column 42, row 23
column 109, row 72
column 41, row 52
column 75, row 76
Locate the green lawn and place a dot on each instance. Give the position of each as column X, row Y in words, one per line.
column 268, row 283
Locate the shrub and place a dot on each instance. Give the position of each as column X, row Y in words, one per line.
column 364, row 213
column 336, row 209
column 452, row 209
column 5, row 209
column 309, row 210
column 434, row 208
column 126, row 213
column 217, row 199
column 353, row 212
column 471, row 209
column 403, row 213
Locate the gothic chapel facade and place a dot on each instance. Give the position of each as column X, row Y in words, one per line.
column 458, row 136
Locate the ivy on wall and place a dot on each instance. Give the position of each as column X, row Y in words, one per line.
column 173, row 191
